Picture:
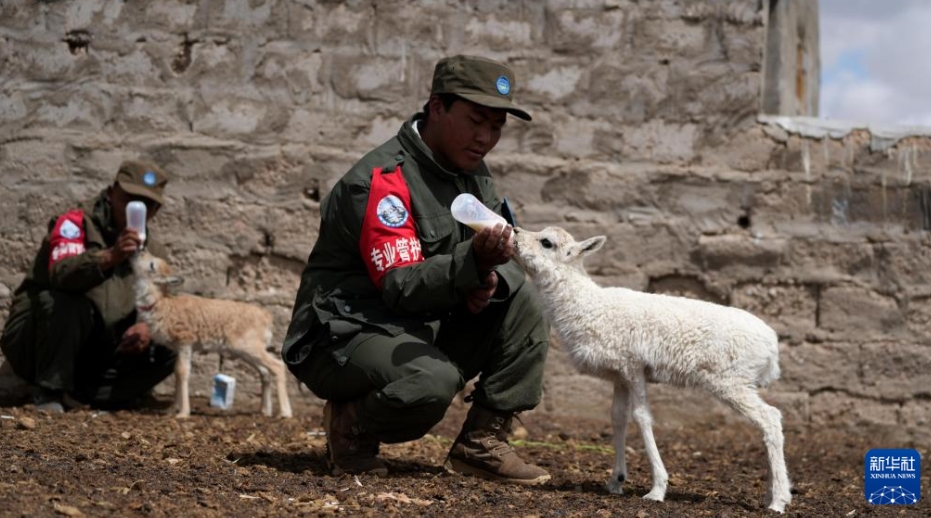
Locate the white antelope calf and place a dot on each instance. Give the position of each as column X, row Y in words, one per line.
column 629, row 338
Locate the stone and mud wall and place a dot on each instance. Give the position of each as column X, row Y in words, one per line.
column 646, row 129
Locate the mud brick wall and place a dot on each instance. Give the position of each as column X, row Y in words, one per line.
column 645, row 129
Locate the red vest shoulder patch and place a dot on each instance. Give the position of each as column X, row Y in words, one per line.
column 67, row 239
column 389, row 236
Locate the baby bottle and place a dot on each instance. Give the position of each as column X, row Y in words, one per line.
column 467, row 209
column 135, row 218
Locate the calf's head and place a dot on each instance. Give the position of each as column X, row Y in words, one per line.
column 552, row 248
column 154, row 269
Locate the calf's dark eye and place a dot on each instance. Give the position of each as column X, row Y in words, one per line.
column 546, row 243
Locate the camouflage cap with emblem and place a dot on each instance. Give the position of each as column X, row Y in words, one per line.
column 477, row 79
column 144, row 179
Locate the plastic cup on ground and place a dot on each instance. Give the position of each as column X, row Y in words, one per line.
column 224, row 388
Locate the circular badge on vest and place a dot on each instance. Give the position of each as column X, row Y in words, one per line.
column 391, row 211
column 149, row 178
column 503, row 85
column 69, row 230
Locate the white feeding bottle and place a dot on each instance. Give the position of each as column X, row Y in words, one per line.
column 469, row 211
column 135, row 218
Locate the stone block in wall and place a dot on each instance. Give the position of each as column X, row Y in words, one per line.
column 850, row 204
column 652, row 249
column 918, row 318
column 795, row 406
column 575, row 137
column 205, row 270
column 348, row 25
column 718, row 93
column 14, row 109
column 721, row 251
column 288, row 74
column 554, row 84
column 818, row 261
column 145, row 65
column 594, row 188
column 147, row 111
column 502, row 29
column 672, row 38
column 33, row 161
column 906, row 262
column 215, row 65
column 17, row 259
column 628, row 97
column 917, row 414
column 255, row 18
column 369, row 78
column 231, row 117
column 264, row 280
column 79, row 107
column 6, row 295
column 786, row 194
column 584, row 31
column 170, row 15
column 831, row 408
column 814, row 367
column 43, row 57
column 746, row 150
column 896, row 370
column 688, row 285
column 659, row 141
column 326, row 128
column 292, row 231
column 854, row 311
column 195, row 163
column 233, row 227
column 790, row 309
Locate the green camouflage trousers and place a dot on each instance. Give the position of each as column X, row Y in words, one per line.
column 405, row 383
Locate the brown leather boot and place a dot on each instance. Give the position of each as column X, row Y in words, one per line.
column 349, row 448
column 482, row 450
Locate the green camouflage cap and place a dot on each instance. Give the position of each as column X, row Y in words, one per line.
column 142, row 179
column 479, row 80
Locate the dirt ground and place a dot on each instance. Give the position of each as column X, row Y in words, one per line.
column 240, row 464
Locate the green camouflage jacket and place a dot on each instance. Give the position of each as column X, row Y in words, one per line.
column 337, row 298
column 111, row 292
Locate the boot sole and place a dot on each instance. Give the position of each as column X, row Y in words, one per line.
column 381, row 471
column 456, row 466
column 338, row 471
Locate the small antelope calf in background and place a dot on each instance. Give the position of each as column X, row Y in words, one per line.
column 187, row 323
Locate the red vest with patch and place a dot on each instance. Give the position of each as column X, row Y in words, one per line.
column 389, row 236
column 67, row 239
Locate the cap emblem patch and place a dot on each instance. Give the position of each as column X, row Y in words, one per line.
column 149, row 178
column 69, row 230
column 503, row 85
column 391, row 211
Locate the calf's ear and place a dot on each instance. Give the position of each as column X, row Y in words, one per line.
column 169, row 281
column 591, row 245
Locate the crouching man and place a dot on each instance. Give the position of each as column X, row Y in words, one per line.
column 399, row 305
column 72, row 330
